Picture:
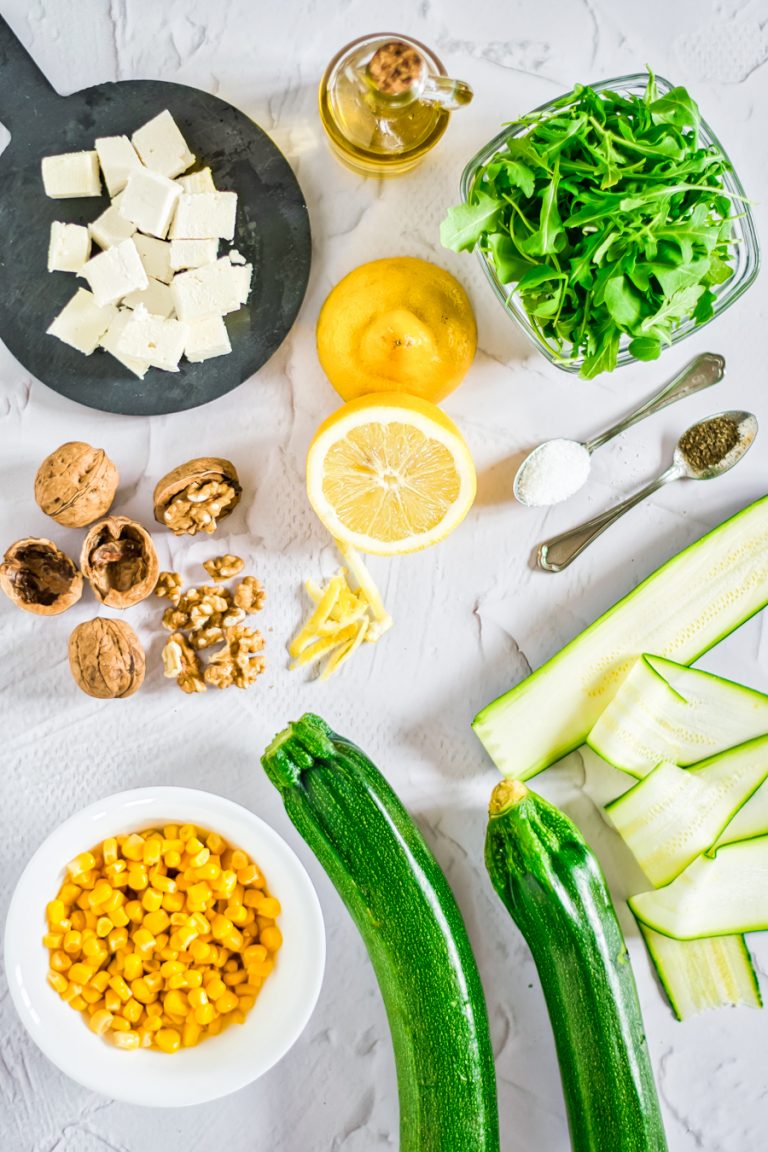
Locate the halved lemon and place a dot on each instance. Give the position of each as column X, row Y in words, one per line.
column 389, row 474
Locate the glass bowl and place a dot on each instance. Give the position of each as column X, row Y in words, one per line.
column 745, row 253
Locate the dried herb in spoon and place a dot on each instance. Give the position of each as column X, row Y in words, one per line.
column 609, row 217
column 706, row 444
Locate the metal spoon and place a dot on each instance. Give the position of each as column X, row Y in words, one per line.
column 558, row 553
column 702, row 372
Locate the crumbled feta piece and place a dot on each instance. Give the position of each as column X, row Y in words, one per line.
column 118, row 160
column 157, row 299
column 158, row 341
column 214, row 288
column 155, row 256
column 242, row 274
column 162, row 147
column 203, row 214
column 71, row 174
column 149, row 201
column 111, row 228
column 201, row 181
column 207, row 337
column 69, row 247
column 111, row 338
column 193, row 253
column 81, row 323
column 114, row 273
column 236, row 257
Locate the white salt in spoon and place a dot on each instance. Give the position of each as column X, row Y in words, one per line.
column 559, row 468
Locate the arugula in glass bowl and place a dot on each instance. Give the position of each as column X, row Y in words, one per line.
column 610, row 222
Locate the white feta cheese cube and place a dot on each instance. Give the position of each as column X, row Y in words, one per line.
column 203, row 214
column 111, row 228
column 162, row 147
column 157, row 299
column 81, row 323
column 69, row 247
column 118, row 160
column 114, row 273
column 149, row 201
column 111, row 339
column 201, row 181
column 214, row 288
column 207, row 337
column 242, row 274
column 71, row 174
column 155, row 256
column 160, row 342
column 236, row 257
column 193, row 253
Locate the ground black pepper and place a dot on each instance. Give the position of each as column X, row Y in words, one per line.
column 706, row 444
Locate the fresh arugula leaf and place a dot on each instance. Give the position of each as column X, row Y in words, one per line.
column 509, row 264
column 645, row 348
column 465, row 223
column 623, row 302
column 675, row 107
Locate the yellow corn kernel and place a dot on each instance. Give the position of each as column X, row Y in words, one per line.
column 200, row 951
column 222, row 956
column 205, row 1014
column 103, row 926
column 178, row 919
column 90, row 994
column 156, row 922
column 129, row 1040
column 56, row 911
column 137, row 877
column 168, row 1040
column 215, row 988
column 175, row 1003
column 254, row 954
column 234, row 940
column 71, row 992
column 78, row 1003
column 237, row 913
column 59, row 961
column 69, row 893
column 252, row 897
column 198, row 859
column 209, row 871
column 118, row 985
column 53, row 939
column 161, row 881
column 134, row 911
column 200, row 924
column 238, row 859
column 143, row 940
column 82, row 901
column 151, row 900
column 173, row 901
column 82, row 863
column 132, row 1010
column 109, row 906
column 236, row 1017
column 133, row 968
column 187, row 832
column 85, row 880
column 93, row 948
column 153, row 850
column 171, row 968
column 245, row 1003
column 172, row 858
column 183, row 937
column 194, row 978
column 191, row 1033
column 133, row 847
column 271, row 938
column 178, row 981
column 57, row 981
column 155, row 1008
column 153, row 1023
column 109, row 851
column 171, row 832
column 197, row 997
column 73, row 942
column 144, row 1034
column 220, row 927
column 100, row 1021
column 77, row 921
column 120, row 1024
column 226, row 883
column 216, row 843
column 269, row 907
column 142, row 992
column 215, row 1026
column 118, row 938
column 81, row 973
column 232, row 979
column 100, row 980
column 199, row 896
column 112, row 1001
column 154, row 980
column 259, row 971
column 101, row 891
column 119, row 918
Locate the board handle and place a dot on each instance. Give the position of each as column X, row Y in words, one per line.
column 22, row 85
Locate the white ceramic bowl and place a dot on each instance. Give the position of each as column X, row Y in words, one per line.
column 220, row 1064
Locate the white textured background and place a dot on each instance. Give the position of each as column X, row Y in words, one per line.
column 471, row 615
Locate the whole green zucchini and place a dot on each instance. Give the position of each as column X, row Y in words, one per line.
column 406, row 913
column 555, row 892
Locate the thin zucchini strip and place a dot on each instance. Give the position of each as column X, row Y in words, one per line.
column 696, row 975
column 674, row 814
column 680, row 611
column 718, row 895
column 406, row 913
column 665, row 711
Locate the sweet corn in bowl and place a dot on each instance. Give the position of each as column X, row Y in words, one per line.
column 162, row 937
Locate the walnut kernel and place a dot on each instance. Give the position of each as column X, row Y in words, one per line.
column 224, row 567
column 196, row 495
column 239, row 662
column 169, row 586
column 178, row 653
column 250, row 595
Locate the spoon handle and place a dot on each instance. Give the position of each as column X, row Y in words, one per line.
column 556, row 554
column 702, row 372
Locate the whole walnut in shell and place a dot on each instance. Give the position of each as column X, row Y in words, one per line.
column 119, row 561
column 106, row 658
column 76, row 484
column 39, row 577
column 196, row 495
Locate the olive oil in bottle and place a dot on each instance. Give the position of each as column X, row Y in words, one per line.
column 385, row 101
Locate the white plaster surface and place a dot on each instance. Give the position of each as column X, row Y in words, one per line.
column 471, row 615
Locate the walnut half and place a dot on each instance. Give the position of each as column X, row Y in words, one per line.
column 195, row 496
column 120, row 561
column 38, row 577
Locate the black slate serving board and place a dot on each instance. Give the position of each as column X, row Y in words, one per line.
column 272, row 231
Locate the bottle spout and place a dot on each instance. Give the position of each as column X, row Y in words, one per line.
column 446, row 93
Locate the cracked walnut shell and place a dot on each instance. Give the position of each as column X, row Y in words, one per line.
column 40, row 578
column 106, row 658
column 119, row 561
column 76, row 484
column 195, row 496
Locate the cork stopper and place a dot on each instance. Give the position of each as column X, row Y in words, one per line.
column 395, row 68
